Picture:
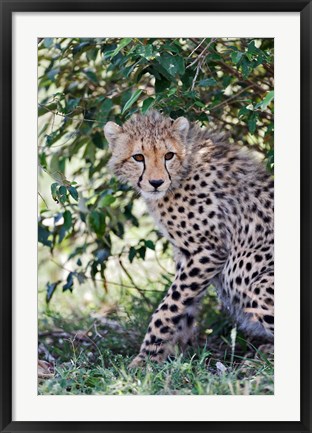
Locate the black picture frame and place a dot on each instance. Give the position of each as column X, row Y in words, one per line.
column 6, row 212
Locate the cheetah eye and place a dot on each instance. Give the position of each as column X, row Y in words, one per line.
column 169, row 156
column 138, row 157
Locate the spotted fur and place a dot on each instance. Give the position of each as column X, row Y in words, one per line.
column 215, row 205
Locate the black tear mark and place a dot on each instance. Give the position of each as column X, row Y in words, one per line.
column 141, row 177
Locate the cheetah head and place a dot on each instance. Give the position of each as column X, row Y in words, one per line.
column 148, row 151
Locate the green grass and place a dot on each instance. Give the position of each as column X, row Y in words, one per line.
column 184, row 376
column 91, row 357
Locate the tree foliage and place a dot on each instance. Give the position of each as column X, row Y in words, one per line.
column 84, row 82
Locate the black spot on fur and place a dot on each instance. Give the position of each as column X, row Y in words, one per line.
column 204, row 260
column 194, row 272
column 238, row 281
column 177, row 319
column 183, row 276
column 194, row 286
column 189, row 320
column 188, row 301
column 268, row 319
column 176, row 296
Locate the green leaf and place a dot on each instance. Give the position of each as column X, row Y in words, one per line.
column 62, row 194
column 270, row 159
column 244, row 111
column 207, row 82
column 174, row 65
column 104, row 110
column 131, row 255
column 266, row 101
column 150, row 244
column 236, row 56
column 43, row 160
column 199, row 104
column 67, row 220
column 161, row 85
column 97, row 139
column 102, row 254
column 246, row 67
column 92, row 54
column 91, row 75
column 147, row 103
column 69, row 283
column 254, row 52
column 53, row 137
column 80, row 47
column 43, row 236
column 107, row 200
column 67, row 225
column 89, row 153
column 54, row 191
column 252, row 123
column 145, row 51
column 97, row 222
column 122, row 44
column 71, row 104
column 73, row 192
column 132, row 100
column 141, row 251
column 172, row 91
column 62, row 190
column 50, row 290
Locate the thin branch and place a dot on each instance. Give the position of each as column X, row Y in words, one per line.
column 202, row 53
column 43, row 200
column 102, row 281
column 231, row 98
column 235, row 72
column 132, row 282
column 162, row 267
column 200, row 59
column 57, row 113
column 196, row 48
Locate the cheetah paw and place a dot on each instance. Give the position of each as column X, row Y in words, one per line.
column 137, row 362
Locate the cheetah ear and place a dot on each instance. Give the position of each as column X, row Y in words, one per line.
column 181, row 126
column 111, row 132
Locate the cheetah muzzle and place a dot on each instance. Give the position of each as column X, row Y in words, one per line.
column 214, row 202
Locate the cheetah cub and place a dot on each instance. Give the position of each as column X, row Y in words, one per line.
column 214, row 202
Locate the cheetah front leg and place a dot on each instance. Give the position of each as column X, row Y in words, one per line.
column 168, row 321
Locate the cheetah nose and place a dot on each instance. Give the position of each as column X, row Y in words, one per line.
column 156, row 183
